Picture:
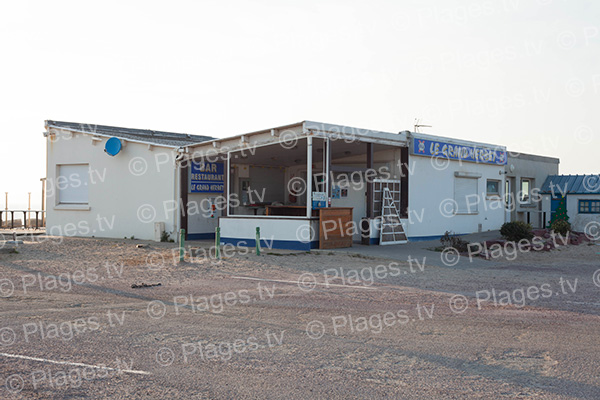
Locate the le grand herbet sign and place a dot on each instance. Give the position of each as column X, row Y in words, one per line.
column 207, row 177
column 476, row 154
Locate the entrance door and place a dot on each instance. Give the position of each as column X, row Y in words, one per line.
column 554, row 203
column 509, row 200
column 203, row 216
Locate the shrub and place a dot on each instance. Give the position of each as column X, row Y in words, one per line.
column 561, row 227
column 452, row 240
column 516, row 231
column 164, row 236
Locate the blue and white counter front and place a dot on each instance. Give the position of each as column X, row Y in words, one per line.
column 290, row 233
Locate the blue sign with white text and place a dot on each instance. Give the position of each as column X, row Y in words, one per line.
column 206, row 177
column 476, row 154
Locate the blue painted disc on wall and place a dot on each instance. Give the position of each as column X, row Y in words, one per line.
column 113, row 146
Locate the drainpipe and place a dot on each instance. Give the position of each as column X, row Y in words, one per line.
column 309, row 176
column 176, row 185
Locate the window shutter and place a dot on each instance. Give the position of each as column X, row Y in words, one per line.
column 464, row 187
column 73, row 183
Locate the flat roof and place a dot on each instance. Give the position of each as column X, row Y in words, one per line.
column 326, row 129
column 426, row 136
column 534, row 157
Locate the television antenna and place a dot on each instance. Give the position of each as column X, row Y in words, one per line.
column 418, row 125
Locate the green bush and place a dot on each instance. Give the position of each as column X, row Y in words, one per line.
column 164, row 236
column 561, row 227
column 515, row 231
column 451, row 240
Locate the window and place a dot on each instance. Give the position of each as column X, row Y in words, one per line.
column 589, row 206
column 72, row 184
column 493, row 187
column 465, row 195
column 525, row 190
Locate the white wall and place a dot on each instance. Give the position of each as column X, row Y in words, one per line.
column 428, row 187
column 579, row 221
column 199, row 215
column 275, row 230
column 537, row 169
column 356, row 199
column 122, row 203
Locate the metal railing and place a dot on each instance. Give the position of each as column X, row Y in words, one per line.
column 39, row 218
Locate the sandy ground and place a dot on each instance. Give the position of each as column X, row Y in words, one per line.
column 244, row 328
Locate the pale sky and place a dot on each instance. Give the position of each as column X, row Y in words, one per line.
column 520, row 73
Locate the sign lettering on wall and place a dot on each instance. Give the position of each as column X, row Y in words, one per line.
column 207, row 177
column 476, row 154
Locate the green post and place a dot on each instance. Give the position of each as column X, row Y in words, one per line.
column 218, row 243
column 258, row 241
column 181, row 244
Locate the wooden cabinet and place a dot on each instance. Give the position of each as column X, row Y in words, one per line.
column 335, row 227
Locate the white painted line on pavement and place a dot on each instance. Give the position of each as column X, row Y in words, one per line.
column 296, row 282
column 128, row 371
column 582, row 302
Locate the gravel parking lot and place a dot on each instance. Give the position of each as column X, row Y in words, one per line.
column 294, row 325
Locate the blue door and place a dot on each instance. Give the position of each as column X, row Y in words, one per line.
column 554, row 203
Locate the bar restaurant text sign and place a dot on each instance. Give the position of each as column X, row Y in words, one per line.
column 207, row 177
column 451, row 151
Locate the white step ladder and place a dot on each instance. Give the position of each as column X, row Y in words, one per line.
column 392, row 230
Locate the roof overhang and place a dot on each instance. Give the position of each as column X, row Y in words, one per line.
column 296, row 131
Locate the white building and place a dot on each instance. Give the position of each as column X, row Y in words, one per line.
column 581, row 194
column 90, row 193
column 435, row 184
column 525, row 174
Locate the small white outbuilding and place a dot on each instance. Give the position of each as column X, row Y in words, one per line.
column 90, row 192
column 581, row 197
